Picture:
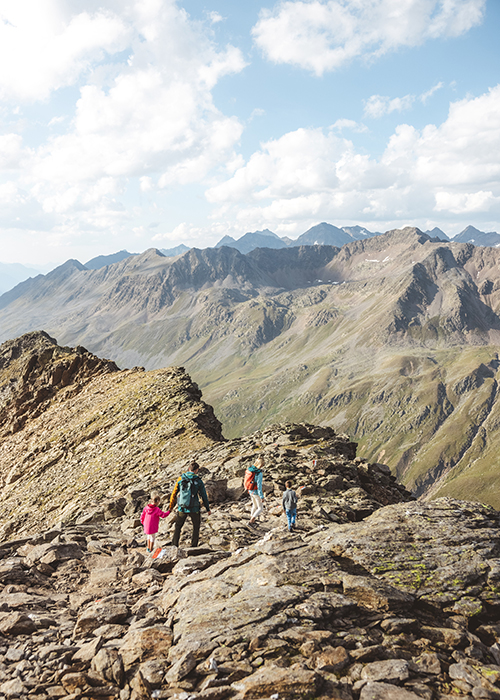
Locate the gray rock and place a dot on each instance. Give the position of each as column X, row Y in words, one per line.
column 392, row 670
column 180, row 668
column 385, row 691
column 16, row 623
column 98, row 614
column 13, row 689
column 143, row 644
column 272, row 680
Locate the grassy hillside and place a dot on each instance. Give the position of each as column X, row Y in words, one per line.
column 393, row 340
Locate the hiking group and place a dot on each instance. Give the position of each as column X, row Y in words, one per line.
column 189, row 489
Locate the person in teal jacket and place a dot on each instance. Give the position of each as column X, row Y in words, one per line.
column 191, row 506
column 253, row 484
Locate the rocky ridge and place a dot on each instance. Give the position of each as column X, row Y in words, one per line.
column 374, row 596
column 401, row 605
column 75, row 428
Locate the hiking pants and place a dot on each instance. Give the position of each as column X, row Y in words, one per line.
column 290, row 516
column 256, row 504
column 179, row 522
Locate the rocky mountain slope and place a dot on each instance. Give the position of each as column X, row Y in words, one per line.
column 374, row 596
column 393, row 339
column 74, row 427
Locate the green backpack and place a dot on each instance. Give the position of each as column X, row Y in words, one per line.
column 188, row 492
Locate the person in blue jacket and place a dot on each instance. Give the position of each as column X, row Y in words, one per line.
column 253, row 485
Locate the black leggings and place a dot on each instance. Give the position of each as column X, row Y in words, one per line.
column 179, row 522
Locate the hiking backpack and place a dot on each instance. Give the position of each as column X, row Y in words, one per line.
column 188, row 491
column 249, row 481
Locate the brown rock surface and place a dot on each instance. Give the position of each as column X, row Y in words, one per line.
column 74, row 429
column 373, row 597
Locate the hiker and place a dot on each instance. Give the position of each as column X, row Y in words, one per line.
column 290, row 505
column 253, row 484
column 150, row 519
column 187, row 491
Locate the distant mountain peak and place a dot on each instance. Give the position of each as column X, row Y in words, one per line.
column 104, row 260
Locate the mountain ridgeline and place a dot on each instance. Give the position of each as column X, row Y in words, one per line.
column 392, row 339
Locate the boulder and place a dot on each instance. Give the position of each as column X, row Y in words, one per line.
column 13, row 624
column 98, row 614
column 143, row 644
column 283, row 682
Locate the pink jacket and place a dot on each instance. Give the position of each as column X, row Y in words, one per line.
column 150, row 518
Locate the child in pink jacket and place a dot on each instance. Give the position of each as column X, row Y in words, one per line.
column 150, row 519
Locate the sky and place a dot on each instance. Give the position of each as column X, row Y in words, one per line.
column 136, row 124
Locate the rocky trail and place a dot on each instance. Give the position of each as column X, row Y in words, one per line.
column 374, row 596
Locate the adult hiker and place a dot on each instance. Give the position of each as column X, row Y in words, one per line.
column 253, row 484
column 187, row 491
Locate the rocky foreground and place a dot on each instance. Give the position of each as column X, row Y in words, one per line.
column 399, row 604
column 375, row 596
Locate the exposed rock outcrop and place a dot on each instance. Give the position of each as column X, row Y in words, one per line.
column 373, row 596
column 75, row 428
column 401, row 606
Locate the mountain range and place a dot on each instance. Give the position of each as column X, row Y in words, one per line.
column 13, row 273
column 392, row 339
column 321, row 234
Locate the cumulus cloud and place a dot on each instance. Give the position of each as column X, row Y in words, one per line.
column 45, row 45
column 310, row 174
column 322, row 36
column 144, row 72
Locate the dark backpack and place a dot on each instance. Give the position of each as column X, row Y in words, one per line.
column 188, row 492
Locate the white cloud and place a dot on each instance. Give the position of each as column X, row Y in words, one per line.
column 310, row 174
column 215, row 17
column 342, row 124
column 465, row 202
column 11, row 151
column 321, row 36
column 424, row 97
column 45, row 45
column 147, row 114
column 377, row 106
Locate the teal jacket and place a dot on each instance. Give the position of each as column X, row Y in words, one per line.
column 258, row 479
column 201, row 491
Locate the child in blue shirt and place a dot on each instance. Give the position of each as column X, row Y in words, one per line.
column 290, row 505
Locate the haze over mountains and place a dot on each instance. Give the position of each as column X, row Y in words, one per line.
column 324, row 233
column 392, row 339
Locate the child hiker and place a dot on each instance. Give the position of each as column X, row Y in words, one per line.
column 150, row 519
column 290, row 505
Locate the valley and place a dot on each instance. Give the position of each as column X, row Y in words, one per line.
column 392, row 340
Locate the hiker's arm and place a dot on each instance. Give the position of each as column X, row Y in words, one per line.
column 258, row 480
column 204, row 497
column 173, row 497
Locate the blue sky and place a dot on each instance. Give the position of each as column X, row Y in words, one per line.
column 137, row 124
